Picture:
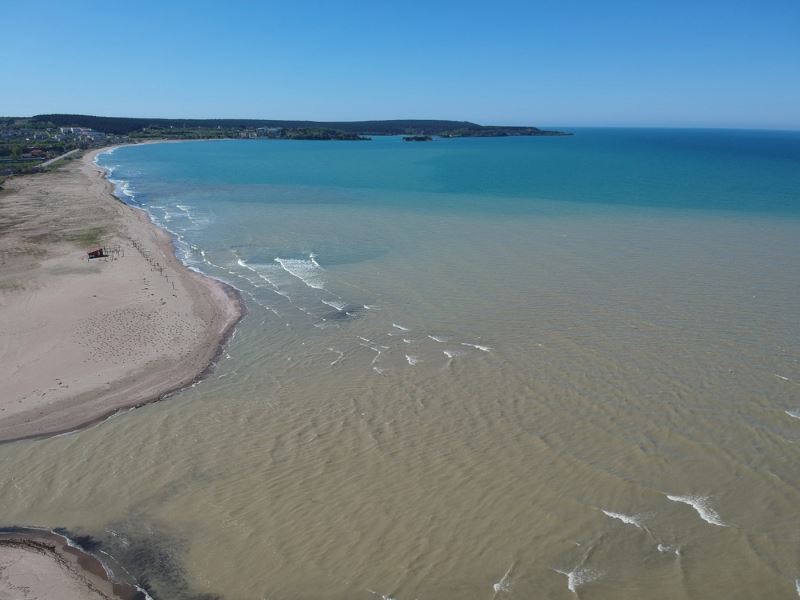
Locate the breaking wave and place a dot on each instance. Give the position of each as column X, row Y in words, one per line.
column 702, row 506
column 306, row 270
column 579, row 576
column 627, row 519
column 477, row 346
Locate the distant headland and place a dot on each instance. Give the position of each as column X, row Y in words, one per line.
column 30, row 144
column 207, row 128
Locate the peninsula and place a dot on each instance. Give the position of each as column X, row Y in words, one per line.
column 83, row 338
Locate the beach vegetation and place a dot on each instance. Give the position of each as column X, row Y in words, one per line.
column 143, row 128
column 87, row 237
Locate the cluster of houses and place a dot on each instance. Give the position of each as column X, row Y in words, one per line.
column 80, row 134
column 23, row 146
column 269, row 132
column 55, row 134
column 16, row 133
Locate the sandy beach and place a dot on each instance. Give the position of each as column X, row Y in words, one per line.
column 37, row 565
column 81, row 339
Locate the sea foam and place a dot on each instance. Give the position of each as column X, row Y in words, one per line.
column 504, row 585
column 191, row 216
column 478, row 347
column 666, row 549
column 702, row 506
column 579, row 576
column 306, row 270
column 627, row 519
column 338, row 305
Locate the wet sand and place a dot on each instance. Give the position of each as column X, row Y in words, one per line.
column 39, row 565
column 79, row 339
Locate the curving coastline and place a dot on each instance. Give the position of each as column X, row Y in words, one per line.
column 37, row 563
column 81, row 340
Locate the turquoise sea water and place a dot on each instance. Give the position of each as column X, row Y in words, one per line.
column 703, row 169
column 470, row 368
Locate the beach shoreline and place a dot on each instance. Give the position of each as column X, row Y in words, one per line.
column 40, row 562
column 151, row 327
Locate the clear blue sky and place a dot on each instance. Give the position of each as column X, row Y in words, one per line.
column 561, row 62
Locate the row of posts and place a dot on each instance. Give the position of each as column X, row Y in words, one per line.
column 154, row 264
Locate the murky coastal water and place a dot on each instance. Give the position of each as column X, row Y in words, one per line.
column 501, row 368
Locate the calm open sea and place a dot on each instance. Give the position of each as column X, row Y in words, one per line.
column 472, row 368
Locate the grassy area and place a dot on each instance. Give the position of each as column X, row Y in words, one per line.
column 60, row 163
column 21, row 166
column 87, row 237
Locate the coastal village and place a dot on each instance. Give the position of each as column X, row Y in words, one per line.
column 26, row 146
column 34, row 143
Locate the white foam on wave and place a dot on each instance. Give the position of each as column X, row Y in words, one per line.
column 579, row 576
column 406, row 341
column 412, row 360
column 377, row 351
column 307, row 271
column 667, row 549
column 338, row 305
column 501, row 586
column 400, row 327
column 190, row 215
column 123, row 188
column 781, row 377
column 260, row 271
column 106, row 568
column 504, row 585
column 477, row 346
column 453, row 353
column 627, row 519
column 797, row 586
column 793, row 413
column 702, row 506
column 184, row 250
column 339, row 358
column 441, row 340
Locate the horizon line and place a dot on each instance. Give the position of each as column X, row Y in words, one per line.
column 585, row 126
